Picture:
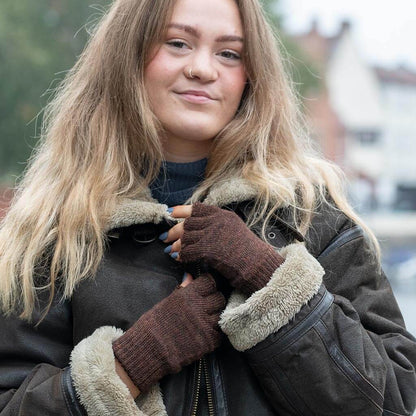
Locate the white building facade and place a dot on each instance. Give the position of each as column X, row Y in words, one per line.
column 397, row 184
column 377, row 111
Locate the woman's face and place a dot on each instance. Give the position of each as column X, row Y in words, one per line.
column 195, row 78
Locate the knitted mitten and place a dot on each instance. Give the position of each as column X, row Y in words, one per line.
column 174, row 333
column 222, row 240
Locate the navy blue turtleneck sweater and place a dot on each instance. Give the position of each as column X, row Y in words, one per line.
column 177, row 181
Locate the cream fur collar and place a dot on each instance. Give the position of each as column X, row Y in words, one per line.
column 145, row 209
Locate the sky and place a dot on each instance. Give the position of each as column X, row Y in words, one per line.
column 385, row 30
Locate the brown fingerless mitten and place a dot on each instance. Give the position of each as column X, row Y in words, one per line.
column 174, row 333
column 221, row 239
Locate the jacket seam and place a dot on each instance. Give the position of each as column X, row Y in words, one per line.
column 333, row 350
column 71, row 400
column 341, row 239
column 223, row 389
column 359, row 372
column 306, row 324
column 391, row 413
column 300, row 329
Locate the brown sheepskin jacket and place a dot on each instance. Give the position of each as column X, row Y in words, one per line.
column 324, row 337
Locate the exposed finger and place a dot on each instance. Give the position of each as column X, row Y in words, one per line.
column 187, row 280
column 176, row 256
column 175, row 233
column 182, row 211
column 176, row 246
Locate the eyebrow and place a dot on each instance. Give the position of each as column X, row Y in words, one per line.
column 194, row 32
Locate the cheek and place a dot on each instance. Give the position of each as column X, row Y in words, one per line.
column 156, row 74
column 151, row 79
column 235, row 87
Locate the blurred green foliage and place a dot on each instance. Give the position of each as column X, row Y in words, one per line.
column 304, row 73
column 39, row 41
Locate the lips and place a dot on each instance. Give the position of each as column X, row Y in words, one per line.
column 196, row 96
column 197, row 93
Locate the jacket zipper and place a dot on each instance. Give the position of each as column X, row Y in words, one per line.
column 209, row 389
column 198, row 387
column 202, row 368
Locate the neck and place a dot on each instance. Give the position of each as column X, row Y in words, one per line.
column 184, row 151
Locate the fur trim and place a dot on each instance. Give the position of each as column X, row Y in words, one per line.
column 145, row 209
column 99, row 388
column 249, row 321
column 232, row 190
column 133, row 211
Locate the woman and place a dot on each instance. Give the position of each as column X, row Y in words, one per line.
column 262, row 294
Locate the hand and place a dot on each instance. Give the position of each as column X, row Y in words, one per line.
column 221, row 239
column 177, row 331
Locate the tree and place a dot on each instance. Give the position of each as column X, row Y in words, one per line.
column 39, row 41
column 302, row 70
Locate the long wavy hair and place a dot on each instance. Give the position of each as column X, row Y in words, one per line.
column 100, row 141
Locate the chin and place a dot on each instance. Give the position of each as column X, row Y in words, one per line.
column 198, row 135
column 196, row 132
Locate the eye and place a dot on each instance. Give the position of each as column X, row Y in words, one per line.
column 230, row 55
column 179, row 44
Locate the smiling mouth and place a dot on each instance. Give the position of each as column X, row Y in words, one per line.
column 196, row 97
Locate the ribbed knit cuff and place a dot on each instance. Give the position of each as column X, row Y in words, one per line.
column 133, row 350
column 265, row 267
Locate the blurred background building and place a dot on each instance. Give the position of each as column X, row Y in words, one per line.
column 364, row 119
column 362, row 115
column 361, row 109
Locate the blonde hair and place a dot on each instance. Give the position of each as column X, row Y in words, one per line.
column 100, row 141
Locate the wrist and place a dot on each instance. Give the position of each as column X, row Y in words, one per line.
column 121, row 372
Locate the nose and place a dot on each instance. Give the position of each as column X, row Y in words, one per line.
column 202, row 67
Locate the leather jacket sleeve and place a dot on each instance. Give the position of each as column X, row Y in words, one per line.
column 42, row 373
column 34, row 374
column 46, row 390
column 346, row 352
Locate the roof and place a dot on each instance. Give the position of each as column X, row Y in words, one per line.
column 400, row 75
column 317, row 46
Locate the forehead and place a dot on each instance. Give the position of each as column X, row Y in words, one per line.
column 209, row 16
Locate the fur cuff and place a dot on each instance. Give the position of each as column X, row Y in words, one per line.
column 249, row 321
column 99, row 388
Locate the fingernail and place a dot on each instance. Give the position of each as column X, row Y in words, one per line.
column 169, row 210
column 163, row 236
column 184, row 277
column 167, row 249
column 174, row 255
